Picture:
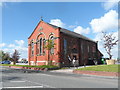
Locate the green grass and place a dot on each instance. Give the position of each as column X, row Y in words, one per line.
column 42, row 66
column 64, row 68
column 105, row 68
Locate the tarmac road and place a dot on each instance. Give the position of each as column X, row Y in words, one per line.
column 17, row 79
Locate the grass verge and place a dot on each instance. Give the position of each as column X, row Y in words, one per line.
column 105, row 68
column 42, row 66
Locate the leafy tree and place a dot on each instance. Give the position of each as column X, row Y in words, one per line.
column 109, row 42
column 15, row 56
column 50, row 45
column 4, row 56
column 1, row 55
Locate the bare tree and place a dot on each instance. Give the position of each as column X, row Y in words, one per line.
column 15, row 56
column 109, row 42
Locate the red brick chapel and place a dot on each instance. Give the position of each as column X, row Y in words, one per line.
column 68, row 45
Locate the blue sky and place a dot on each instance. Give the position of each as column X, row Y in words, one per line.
column 19, row 20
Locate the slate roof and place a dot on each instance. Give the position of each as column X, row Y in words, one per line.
column 71, row 33
column 68, row 32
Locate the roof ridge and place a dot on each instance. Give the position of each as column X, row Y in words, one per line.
column 65, row 31
column 84, row 37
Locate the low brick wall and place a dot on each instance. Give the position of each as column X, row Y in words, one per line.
column 99, row 73
column 16, row 67
column 34, row 68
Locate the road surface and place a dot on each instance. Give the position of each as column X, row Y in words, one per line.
column 17, row 79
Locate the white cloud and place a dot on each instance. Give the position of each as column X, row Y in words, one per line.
column 57, row 22
column 115, row 34
column 98, row 37
column 82, row 30
column 2, row 45
column 11, row 45
column 9, row 50
column 72, row 26
column 20, row 42
column 110, row 4
column 105, row 23
column 22, row 49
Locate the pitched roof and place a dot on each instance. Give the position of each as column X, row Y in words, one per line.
column 66, row 32
column 100, row 53
column 71, row 33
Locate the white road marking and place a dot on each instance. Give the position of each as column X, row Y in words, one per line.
column 26, row 87
column 40, row 84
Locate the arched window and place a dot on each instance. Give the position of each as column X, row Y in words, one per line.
column 40, row 46
column 52, row 49
column 65, row 46
column 44, row 43
column 32, row 48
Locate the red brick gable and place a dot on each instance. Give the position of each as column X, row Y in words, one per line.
column 34, row 30
column 38, row 27
column 38, row 55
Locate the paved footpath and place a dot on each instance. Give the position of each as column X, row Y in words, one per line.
column 70, row 71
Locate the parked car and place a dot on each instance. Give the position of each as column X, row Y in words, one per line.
column 6, row 62
column 24, row 61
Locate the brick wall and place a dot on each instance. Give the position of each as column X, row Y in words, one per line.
column 44, row 31
column 85, row 50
